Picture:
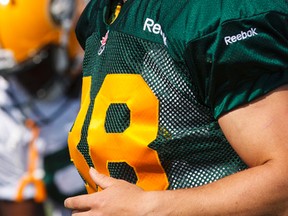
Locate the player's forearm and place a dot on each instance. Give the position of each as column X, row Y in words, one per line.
column 260, row 191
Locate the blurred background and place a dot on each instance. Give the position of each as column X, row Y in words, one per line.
column 40, row 86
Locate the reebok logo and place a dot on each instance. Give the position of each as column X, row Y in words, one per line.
column 154, row 28
column 241, row 36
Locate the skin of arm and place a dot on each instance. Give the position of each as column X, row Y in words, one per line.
column 259, row 134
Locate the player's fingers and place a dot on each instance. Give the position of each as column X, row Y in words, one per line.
column 78, row 203
column 101, row 180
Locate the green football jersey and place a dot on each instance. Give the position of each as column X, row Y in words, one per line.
column 156, row 80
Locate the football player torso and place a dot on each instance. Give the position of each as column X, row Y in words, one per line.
column 152, row 93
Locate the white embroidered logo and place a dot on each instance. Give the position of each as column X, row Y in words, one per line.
column 154, row 28
column 241, row 36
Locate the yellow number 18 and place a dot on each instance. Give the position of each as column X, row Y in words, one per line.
column 130, row 146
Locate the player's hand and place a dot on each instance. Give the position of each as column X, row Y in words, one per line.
column 118, row 197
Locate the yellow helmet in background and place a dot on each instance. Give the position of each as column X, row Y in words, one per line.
column 39, row 33
column 26, row 26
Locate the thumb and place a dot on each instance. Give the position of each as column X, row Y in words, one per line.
column 101, row 180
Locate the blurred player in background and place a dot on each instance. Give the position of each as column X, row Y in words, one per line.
column 40, row 67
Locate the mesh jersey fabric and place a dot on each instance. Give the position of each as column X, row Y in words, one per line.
column 156, row 80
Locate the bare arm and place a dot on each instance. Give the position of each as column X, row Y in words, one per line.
column 259, row 134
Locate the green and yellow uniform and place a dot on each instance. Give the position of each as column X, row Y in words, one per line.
column 157, row 78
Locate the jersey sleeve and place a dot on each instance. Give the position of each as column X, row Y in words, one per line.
column 241, row 61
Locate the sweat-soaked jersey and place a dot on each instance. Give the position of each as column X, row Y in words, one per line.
column 156, row 80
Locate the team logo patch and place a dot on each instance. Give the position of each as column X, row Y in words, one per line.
column 103, row 43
